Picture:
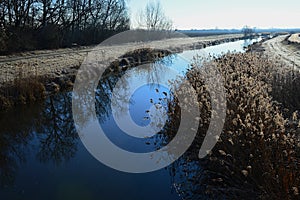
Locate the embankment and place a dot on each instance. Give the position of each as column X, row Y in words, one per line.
column 30, row 77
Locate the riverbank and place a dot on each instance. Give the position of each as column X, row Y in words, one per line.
column 29, row 77
column 59, row 62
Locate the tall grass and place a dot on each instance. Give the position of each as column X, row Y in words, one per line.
column 29, row 85
column 23, row 90
column 257, row 155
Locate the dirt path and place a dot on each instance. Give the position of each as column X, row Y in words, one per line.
column 279, row 50
column 61, row 62
column 43, row 54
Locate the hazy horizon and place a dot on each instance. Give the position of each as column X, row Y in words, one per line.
column 230, row 14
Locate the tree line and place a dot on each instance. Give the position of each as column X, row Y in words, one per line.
column 45, row 24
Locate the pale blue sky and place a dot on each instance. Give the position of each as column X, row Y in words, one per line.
column 201, row 14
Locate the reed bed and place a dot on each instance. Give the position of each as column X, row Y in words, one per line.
column 257, row 155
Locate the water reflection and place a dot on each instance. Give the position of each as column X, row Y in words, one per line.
column 55, row 131
column 140, row 102
column 14, row 137
column 154, row 73
column 46, row 128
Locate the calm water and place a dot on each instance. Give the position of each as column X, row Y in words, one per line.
column 42, row 157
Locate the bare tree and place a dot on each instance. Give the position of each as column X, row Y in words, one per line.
column 40, row 24
column 154, row 18
column 248, row 32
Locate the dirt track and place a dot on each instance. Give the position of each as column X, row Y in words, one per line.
column 289, row 54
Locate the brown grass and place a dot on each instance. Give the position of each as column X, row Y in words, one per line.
column 257, row 155
column 28, row 89
column 21, row 90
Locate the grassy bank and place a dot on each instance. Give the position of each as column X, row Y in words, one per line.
column 31, row 89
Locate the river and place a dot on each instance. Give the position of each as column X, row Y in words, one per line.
column 42, row 157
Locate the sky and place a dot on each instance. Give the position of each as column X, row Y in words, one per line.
column 206, row 14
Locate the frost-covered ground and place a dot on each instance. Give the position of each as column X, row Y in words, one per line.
column 66, row 61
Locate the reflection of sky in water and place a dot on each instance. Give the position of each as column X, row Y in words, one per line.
column 141, row 102
column 217, row 50
column 141, row 99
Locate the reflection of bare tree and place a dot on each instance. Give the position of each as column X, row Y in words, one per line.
column 104, row 94
column 15, row 134
column 56, row 131
column 154, row 73
column 114, row 70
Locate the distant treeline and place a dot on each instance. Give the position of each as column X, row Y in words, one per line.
column 46, row 24
column 207, row 32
